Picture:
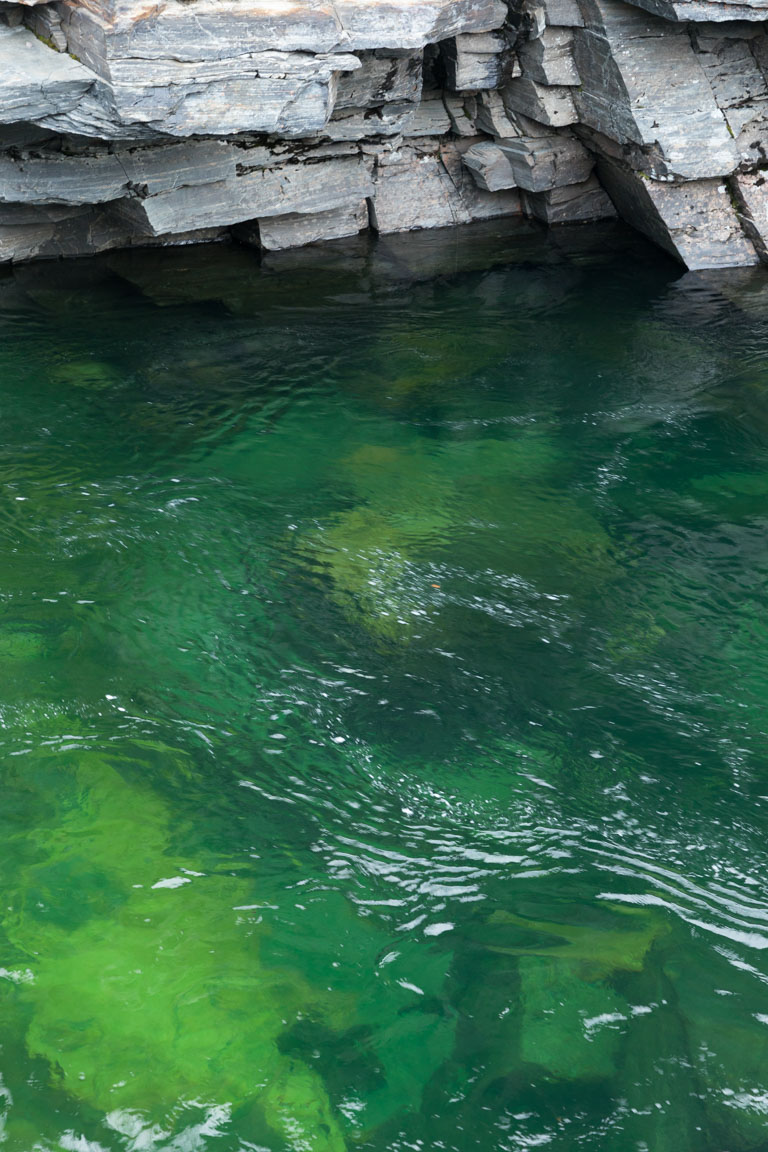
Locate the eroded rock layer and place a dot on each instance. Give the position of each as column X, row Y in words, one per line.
column 282, row 123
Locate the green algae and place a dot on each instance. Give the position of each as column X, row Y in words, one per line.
column 600, row 950
column 568, row 1026
column 421, row 663
column 414, row 500
column 161, row 964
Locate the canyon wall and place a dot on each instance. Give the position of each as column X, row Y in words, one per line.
column 281, row 123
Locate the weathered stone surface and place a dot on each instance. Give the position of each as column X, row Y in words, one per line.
column 367, row 123
column 381, row 79
column 474, row 61
column 93, row 177
column 417, row 188
column 751, row 195
column 36, row 81
column 549, row 58
column 491, row 115
column 277, row 233
column 705, row 9
column 489, row 167
column 458, row 109
column 551, row 106
column 429, row 118
column 539, row 164
column 306, row 188
column 695, row 222
column 571, row 204
column 628, row 61
column 734, row 58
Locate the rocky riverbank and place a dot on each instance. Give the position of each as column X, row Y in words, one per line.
column 281, row 124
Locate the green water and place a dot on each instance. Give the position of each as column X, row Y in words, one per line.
column 384, row 741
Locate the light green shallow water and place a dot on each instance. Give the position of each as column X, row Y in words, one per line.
column 384, row 669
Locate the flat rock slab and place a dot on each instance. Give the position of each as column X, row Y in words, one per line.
column 98, row 176
column 489, row 167
column 550, row 106
column 695, row 222
column 416, row 189
column 542, row 163
column 643, row 83
column 109, row 30
column 751, row 191
column 295, row 230
column 571, row 204
column 306, row 188
column 705, row 10
column 548, row 59
column 36, row 81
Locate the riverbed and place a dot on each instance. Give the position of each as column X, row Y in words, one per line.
column 384, row 657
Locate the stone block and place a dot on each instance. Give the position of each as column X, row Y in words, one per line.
column 98, row 175
column 277, row 233
column 415, row 190
column 549, row 58
column 458, row 109
column 303, row 188
column 474, row 61
column 705, row 10
column 553, row 107
column 627, row 60
column 380, row 80
column 428, row 118
column 35, row 80
column 729, row 64
column 414, row 23
column 542, row 163
column 695, row 221
column 571, row 204
column 491, row 115
column 489, row 167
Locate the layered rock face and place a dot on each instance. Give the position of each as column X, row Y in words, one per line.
column 287, row 122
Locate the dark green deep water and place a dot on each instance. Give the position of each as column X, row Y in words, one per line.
column 383, row 700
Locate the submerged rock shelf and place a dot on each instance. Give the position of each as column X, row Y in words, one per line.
column 282, row 124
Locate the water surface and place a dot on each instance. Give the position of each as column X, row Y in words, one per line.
column 384, row 657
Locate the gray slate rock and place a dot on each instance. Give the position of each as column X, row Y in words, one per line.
column 489, row 167
column 35, row 80
column 278, row 233
column 419, row 188
column 542, row 163
column 695, row 222
column 552, row 107
column 549, row 58
column 47, row 177
column 643, row 83
column 705, row 10
column 571, row 204
column 474, row 61
column 302, row 188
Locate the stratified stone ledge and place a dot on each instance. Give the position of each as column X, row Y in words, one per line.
column 284, row 123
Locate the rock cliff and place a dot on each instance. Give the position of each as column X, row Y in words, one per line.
column 282, row 122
